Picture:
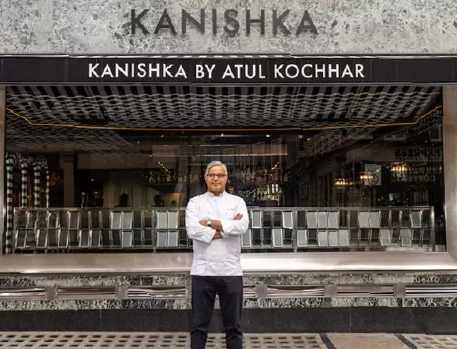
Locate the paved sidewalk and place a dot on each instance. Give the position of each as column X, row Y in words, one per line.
column 162, row 340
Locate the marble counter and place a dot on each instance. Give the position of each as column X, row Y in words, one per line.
column 254, row 303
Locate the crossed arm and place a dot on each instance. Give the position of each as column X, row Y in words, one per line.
column 217, row 225
column 198, row 229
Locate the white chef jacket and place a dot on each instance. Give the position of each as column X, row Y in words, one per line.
column 219, row 257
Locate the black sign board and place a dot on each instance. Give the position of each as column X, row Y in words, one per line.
column 87, row 70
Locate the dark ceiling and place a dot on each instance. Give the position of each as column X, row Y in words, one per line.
column 107, row 119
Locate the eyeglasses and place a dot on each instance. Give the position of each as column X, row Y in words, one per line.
column 216, row 175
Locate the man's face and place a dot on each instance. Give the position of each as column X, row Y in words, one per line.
column 216, row 179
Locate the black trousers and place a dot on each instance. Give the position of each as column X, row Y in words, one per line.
column 230, row 292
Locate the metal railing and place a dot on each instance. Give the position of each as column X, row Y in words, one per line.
column 271, row 228
column 250, row 291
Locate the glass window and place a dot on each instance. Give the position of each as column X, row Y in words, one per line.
column 345, row 168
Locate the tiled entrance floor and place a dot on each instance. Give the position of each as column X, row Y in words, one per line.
column 176, row 340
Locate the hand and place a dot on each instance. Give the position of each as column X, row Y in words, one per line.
column 216, row 225
column 217, row 235
column 238, row 217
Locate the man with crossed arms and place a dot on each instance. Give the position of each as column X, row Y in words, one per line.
column 215, row 221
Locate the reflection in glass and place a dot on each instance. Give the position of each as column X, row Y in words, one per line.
column 326, row 156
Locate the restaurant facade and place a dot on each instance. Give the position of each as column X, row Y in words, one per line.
column 337, row 123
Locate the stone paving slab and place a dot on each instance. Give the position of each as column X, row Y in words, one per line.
column 366, row 341
column 425, row 341
column 152, row 340
column 179, row 340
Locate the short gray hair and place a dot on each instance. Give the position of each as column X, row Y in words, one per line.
column 215, row 163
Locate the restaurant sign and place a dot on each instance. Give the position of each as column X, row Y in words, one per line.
column 230, row 22
column 221, row 71
column 241, row 69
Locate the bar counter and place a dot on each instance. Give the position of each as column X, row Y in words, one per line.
column 253, row 263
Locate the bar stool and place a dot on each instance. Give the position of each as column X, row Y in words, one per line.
column 256, row 223
column 53, row 228
column 302, row 232
column 21, row 226
column 369, row 221
column 121, row 228
column 30, row 228
column 311, row 225
column 138, row 228
column 385, row 230
column 95, row 229
column 127, row 229
column 70, row 229
column 333, row 224
column 287, row 222
column 417, row 226
column 41, row 233
column 84, row 232
column 167, row 228
column 173, row 226
column 326, row 223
